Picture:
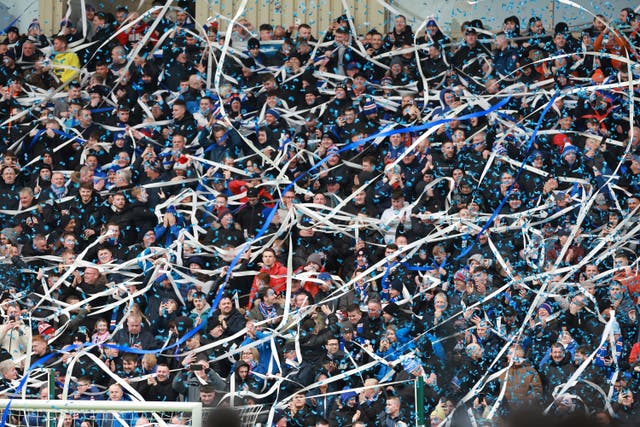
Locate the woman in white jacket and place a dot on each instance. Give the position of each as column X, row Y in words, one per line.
column 15, row 336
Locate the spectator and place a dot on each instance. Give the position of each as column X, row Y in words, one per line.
column 66, row 64
column 135, row 336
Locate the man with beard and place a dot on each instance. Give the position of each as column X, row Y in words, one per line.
column 229, row 315
column 85, row 208
column 277, row 275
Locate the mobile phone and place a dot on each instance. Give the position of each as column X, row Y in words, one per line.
column 195, row 367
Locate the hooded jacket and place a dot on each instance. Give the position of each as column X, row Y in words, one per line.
column 523, row 384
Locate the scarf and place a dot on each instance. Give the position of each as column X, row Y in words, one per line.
column 58, row 191
column 267, row 311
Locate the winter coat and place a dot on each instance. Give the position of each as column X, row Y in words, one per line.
column 523, row 385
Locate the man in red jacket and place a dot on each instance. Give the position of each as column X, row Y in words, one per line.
column 277, row 275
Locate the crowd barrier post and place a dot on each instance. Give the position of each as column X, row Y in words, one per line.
column 419, row 384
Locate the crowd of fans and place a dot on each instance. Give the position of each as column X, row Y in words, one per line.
column 322, row 223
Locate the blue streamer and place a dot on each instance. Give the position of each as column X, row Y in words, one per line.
column 101, row 110
column 33, row 140
column 68, row 135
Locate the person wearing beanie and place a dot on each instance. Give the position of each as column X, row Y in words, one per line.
column 391, row 310
column 34, row 25
column 411, row 365
column 395, row 291
column 339, row 103
column 570, row 165
column 275, row 126
column 370, row 108
column 255, row 59
column 462, row 275
column 346, row 410
column 253, row 43
column 560, row 140
column 315, row 262
column 434, row 35
column 546, row 307
column 398, row 73
column 34, row 35
column 568, row 149
column 13, row 35
column 272, row 112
